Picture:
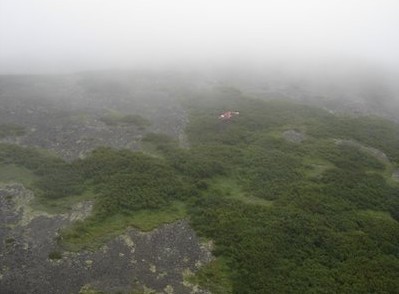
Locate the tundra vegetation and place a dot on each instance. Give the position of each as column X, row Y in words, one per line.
column 285, row 217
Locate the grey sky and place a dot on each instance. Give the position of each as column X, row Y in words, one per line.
column 68, row 35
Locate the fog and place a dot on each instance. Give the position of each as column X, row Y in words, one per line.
column 47, row 36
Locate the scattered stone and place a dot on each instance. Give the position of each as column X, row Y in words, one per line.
column 153, row 268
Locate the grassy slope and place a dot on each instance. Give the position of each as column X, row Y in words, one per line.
column 229, row 187
column 14, row 173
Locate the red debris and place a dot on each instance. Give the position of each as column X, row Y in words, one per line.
column 228, row 115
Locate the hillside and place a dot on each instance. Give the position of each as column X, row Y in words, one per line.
column 163, row 196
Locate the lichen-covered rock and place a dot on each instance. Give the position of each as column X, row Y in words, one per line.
column 134, row 260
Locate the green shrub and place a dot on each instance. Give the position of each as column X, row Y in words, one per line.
column 55, row 255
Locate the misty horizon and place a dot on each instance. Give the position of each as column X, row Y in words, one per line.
column 43, row 36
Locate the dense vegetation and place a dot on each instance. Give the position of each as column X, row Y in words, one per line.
column 286, row 217
column 333, row 225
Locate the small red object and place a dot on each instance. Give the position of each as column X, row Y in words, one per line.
column 228, row 115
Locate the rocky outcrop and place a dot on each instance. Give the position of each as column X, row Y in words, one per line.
column 64, row 116
column 31, row 262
